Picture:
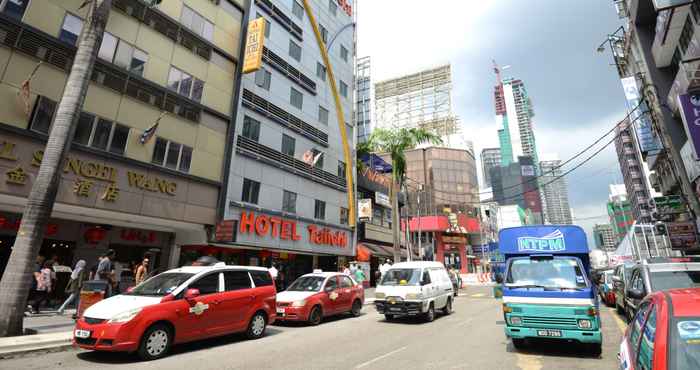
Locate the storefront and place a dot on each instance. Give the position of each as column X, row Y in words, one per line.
column 451, row 235
column 296, row 246
column 104, row 202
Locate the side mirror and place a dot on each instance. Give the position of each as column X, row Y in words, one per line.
column 499, row 278
column 635, row 293
column 191, row 294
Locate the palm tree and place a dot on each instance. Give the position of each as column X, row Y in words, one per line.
column 18, row 276
column 395, row 142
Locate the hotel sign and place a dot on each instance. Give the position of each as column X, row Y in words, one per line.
column 252, row 59
column 279, row 228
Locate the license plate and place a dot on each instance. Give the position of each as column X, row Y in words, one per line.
column 549, row 333
column 394, row 308
column 82, row 333
column 280, row 311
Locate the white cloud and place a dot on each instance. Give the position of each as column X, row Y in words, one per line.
column 406, row 36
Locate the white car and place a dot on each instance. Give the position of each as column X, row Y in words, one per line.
column 414, row 289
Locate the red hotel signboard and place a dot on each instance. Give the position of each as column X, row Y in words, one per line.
column 283, row 229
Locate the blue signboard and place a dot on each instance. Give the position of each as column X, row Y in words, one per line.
column 543, row 239
column 553, row 242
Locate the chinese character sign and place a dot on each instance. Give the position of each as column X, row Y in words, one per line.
column 254, row 45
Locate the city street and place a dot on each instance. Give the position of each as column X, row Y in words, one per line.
column 470, row 338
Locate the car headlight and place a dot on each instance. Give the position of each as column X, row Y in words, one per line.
column 299, row 303
column 414, row 296
column 124, row 316
column 585, row 324
column 516, row 320
column 379, row 295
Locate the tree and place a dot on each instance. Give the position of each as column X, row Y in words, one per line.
column 16, row 280
column 395, row 142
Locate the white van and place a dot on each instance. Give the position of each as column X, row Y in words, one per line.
column 414, row 289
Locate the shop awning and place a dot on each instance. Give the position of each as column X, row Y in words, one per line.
column 376, row 250
column 363, row 253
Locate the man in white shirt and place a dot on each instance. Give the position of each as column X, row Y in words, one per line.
column 383, row 268
column 273, row 272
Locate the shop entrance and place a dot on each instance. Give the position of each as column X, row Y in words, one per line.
column 328, row 263
column 453, row 259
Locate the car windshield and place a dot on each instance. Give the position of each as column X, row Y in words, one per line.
column 662, row 280
column 161, row 285
column 399, row 276
column 685, row 343
column 558, row 273
column 307, row 284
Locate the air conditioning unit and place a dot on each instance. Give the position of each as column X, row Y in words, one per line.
column 621, row 8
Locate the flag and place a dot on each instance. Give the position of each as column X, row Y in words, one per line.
column 316, row 158
column 310, row 158
column 25, row 90
column 148, row 134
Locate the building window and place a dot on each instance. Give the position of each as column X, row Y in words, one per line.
column 686, row 35
column 343, row 89
column 14, row 8
column 263, row 78
column 296, row 98
column 343, row 53
column 43, row 115
column 341, row 169
column 289, row 202
column 100, row 133
column 324, row 33
column 122, row 54
column 251, row 190
column 321, row 71
column 695, row 10
column 322, row 115
column 70, row 30
column 251, row 128
column 288, row 145
column 197, row 24
column 297, row 9
column 333, row 7
column 319, row 162
column 172, row 155
column 344, row 216
column 319, row 210
column 267, row 26
column 295, row 50
column 228, row 7
column 184, row 84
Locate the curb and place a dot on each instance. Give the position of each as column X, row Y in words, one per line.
column 22, row 345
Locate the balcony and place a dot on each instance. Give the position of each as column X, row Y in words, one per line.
column 635, row 175
column 669, row 25
column 632, row 162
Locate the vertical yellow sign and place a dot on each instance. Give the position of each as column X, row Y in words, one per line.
column 252, row 59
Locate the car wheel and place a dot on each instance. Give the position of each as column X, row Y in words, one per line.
column 430, row 315
column 596, row 349
column 389, row 317
column 257, row 325
column 315, row 316
column 518, row 343
column 155, row 342
column 448, row 307
column 356, row 308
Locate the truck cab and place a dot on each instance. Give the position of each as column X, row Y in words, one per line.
column 547, row 287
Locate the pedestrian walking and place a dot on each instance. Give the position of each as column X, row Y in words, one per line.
column 43, row 286
column 142, row 271
column 346, row 270
column 360, row 276
column 104, row 271
column 383, row 268
column 77, row 277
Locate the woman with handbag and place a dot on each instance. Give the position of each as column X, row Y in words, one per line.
column 74, row 286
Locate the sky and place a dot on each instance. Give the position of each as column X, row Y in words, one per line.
column 549, row 44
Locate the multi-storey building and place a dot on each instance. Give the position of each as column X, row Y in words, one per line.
column 555, row 194
column 139, row 195
column 516, row 184
column 659, row 47
column 632, row 169
column 514, row 113
column 286, row 192
column 363, row 99
column 490, row 158
column 604, row 236
column 619, row 211
column 422, row 99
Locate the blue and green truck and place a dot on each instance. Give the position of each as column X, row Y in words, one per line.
column 548, row 291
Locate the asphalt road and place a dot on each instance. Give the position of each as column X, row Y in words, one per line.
column 470, row 338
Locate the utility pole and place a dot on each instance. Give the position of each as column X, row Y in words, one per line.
column 420, row 235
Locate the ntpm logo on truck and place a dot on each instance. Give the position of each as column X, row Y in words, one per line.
column 547, row 289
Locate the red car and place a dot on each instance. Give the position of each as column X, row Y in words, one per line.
column 314, row 296
column 180, row 305
column 665, row 332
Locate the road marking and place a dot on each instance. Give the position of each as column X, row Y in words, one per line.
column 620, row 324
column 380, row 358
column 478, row 295
column 529, row 362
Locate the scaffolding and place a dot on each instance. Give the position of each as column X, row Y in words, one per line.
column 422, row 99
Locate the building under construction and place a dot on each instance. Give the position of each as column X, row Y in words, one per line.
column 422, row 99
